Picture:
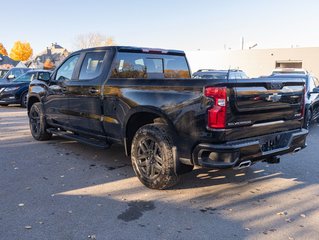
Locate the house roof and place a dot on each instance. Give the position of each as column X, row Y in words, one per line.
column 55, row 53
column 7, row 60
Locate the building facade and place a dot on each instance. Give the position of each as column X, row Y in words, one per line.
column 256, row 62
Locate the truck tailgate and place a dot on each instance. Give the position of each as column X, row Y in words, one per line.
column 260, row 102
column 256, row 103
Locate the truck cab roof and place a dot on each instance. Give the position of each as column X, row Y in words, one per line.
column 135, row 49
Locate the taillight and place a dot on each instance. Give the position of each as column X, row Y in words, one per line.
column 217, row 114
column 303, row 103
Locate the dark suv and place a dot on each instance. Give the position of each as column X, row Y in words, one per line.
column 220, row 74
column 16, row 91
column 311, row 96
column 13, row 73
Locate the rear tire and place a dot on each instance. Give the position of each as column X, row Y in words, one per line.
column 153, row 156
column 4, row 104
column 308, row 118
column 37, row 122
column 23, row 100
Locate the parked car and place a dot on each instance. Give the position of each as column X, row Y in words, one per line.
column 311, row 96
column 3, row 72
column 168, row 122
column 220, row 74
column 16, row 91
column 289, row 71
column 13, row 73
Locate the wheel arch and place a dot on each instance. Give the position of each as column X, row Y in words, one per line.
column 139, row 117
column 32, row 100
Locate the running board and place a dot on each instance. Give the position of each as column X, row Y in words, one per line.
column 89, row 141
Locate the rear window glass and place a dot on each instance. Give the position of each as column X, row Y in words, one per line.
column 91, row 66
column 140, row 65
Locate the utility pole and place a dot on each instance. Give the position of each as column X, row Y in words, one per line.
column 242, row 43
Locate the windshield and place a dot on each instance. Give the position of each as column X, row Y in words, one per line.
column 27, row 77
column 3, row 72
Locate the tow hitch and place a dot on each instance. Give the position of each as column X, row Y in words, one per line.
column 272, row 160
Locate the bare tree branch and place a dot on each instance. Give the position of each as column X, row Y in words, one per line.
column 94, row 39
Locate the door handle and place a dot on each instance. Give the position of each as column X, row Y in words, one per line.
column 57, row 88
column 93, row 90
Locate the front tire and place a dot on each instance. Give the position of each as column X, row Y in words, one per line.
column 37, row 123
column 153, row 156
column 24, row 99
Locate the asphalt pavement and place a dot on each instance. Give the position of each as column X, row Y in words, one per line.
column 61, row 189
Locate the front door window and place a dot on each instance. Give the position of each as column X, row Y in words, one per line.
column 65, row 72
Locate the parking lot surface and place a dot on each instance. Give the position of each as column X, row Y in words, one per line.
column 62, row 189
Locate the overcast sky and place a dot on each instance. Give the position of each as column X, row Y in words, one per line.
column 175, row 24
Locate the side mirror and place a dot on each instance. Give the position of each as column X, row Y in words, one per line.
column 11, row 76
column 315, row 90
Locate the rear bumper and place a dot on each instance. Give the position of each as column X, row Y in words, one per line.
column 230, row 154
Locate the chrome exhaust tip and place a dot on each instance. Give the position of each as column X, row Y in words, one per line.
column 244, row 164
column 297, row 149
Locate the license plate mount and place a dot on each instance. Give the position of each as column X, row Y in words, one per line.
column 270, row 143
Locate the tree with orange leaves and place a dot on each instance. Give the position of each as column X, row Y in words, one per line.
column 48, row 64
column 3, row 51
column 21, row 51
column 110, row 41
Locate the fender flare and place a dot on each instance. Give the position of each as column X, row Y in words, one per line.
column 146, row 109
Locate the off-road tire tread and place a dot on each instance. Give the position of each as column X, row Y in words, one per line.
column 43, row 134
column 161, row 133
column 21, row 100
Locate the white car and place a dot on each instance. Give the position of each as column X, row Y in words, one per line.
column 289, row 71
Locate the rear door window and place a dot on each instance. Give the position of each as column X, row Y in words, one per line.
column 92, row 65
column 128, row 65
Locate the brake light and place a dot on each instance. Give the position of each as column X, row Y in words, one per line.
column 303, row 103
column 217, row 114
column 154, row 50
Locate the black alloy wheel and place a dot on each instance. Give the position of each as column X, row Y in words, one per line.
column 153, row 155
column 34, row 121
column 149, row 158
column 24, row 100
column 37, row 123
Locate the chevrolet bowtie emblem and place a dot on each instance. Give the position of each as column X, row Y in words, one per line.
column 274, row 98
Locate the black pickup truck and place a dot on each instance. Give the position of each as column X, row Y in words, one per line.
column 168, row 122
